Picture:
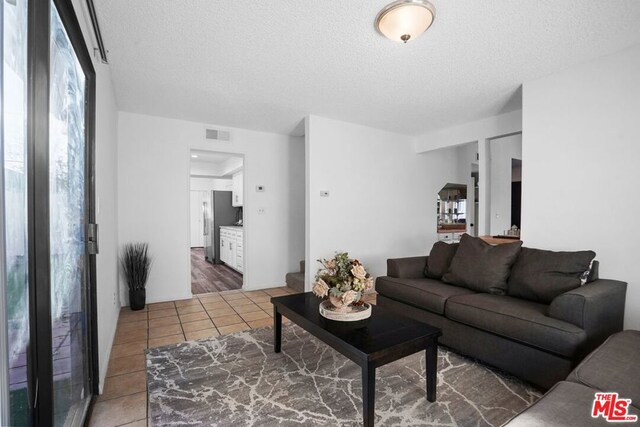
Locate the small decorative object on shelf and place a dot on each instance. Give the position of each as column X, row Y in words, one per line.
column 344, row 281
column 136, row 264
column 513, row 231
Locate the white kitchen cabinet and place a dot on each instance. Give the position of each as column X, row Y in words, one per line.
column 445, row 237
column 239, row 253
column 451, row 237
column 237, row 193
column 231, row 247
column 224, row 244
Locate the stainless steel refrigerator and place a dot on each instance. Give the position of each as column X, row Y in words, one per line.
column 217, row 211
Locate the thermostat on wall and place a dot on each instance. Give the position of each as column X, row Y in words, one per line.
column 259, row 188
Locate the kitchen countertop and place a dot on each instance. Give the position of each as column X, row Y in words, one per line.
column 497, row 240
column 232, row 227
column 452, row 230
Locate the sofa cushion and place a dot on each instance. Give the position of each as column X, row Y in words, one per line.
column 482, row 267
column 539, row 275
column 516, row 319
column 565, row 404
column 411, row 267
column 428, row 294
column 440, row 259
column 614, row 366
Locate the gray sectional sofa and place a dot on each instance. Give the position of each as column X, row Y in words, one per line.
column 536, row 332
column 612, row 367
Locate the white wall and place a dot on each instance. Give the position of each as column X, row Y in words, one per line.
column 210, row 184
column 467, row 155
column 382, row 201
column 502, row 151
column 205, row 169
column 581, row 147
column 503, row 124
column 297, row 182
column 106, row 202
column 107, row 216
column 154, row 199
column 232, row 166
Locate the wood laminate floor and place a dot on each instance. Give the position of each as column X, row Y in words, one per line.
column 206, row 277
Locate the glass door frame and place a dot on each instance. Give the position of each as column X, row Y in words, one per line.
column 41, row 363
column 4, row 342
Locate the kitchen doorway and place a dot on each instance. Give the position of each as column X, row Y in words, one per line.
column 216, row 184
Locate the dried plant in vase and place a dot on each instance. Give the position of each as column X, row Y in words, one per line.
column 344, row 281
column 136, row 265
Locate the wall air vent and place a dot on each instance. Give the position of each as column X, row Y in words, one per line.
column 218, row 135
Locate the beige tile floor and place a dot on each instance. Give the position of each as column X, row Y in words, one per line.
column 124, row 398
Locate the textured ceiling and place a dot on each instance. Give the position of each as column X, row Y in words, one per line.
column 210, row 157
column 264, row 65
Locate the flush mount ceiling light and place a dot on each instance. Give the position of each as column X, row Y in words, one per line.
column 404, row 20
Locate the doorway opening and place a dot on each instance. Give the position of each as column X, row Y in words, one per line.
column 505, row 186
column 516, row 192
column 457, row 199
column 452, row 212
column 217, row 245
column 474, row 208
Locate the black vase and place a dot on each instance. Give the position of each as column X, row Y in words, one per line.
column 137, row 299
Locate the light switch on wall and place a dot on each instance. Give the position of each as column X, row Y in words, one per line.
column 260, row 211
column 324, row 193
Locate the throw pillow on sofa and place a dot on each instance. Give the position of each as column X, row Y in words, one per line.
column 482, row 267
column 540, row 275
column 440, row 259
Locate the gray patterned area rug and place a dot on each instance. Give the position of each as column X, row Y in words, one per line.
column 237, row 380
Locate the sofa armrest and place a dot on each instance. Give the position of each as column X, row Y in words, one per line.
column 407, row 268
column 597, row 307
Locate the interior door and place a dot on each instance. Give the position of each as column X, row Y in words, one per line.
column 68, row 222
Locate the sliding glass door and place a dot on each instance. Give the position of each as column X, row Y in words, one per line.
column 15, row 291
column 47, row 322
column 68, row 222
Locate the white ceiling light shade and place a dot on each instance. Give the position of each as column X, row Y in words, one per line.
column 404, row 20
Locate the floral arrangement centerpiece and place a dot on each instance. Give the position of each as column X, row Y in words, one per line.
column 343, row 280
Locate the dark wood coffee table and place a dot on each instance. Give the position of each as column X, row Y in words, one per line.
column 384, row 338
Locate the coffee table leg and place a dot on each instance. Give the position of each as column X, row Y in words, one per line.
column 277, row 330
column 368, row 394
column 431, row 354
